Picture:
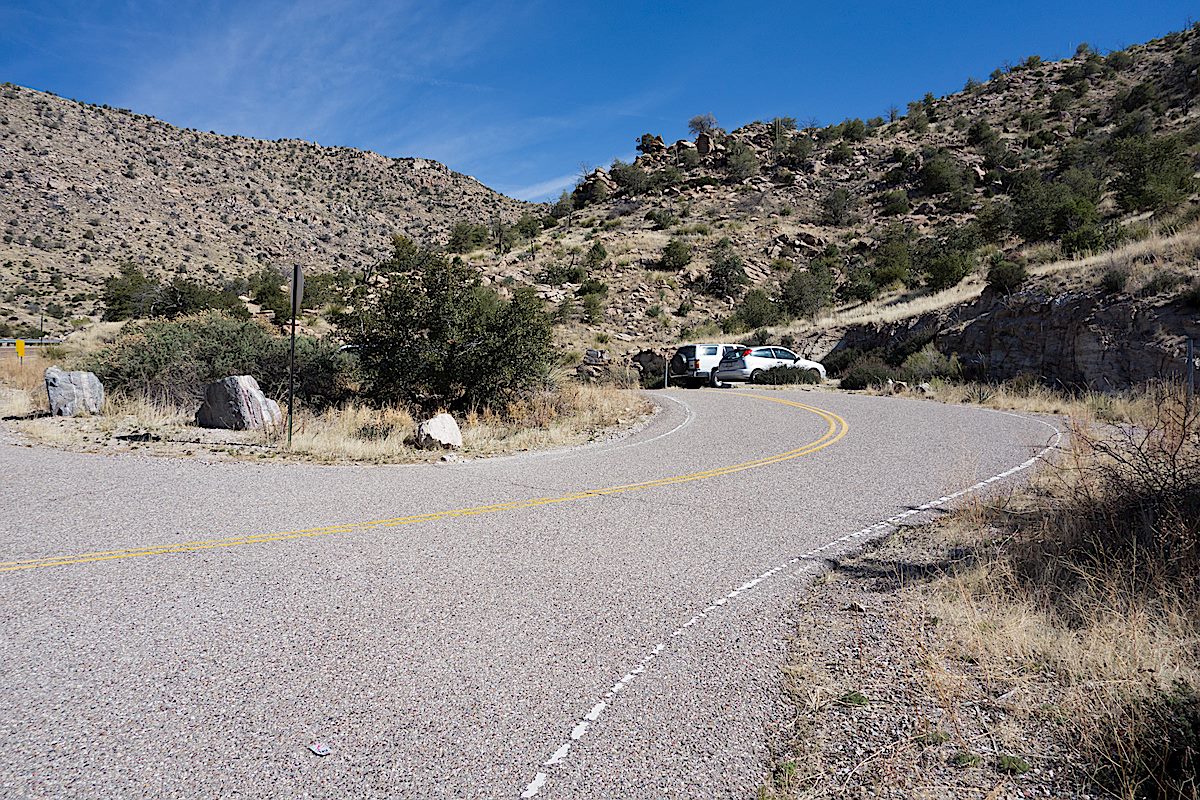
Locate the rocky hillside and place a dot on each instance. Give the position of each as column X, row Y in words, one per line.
column 84, row 188
column 779, row 226
column 1042, row 162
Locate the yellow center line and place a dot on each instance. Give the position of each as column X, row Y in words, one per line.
column 837, row 428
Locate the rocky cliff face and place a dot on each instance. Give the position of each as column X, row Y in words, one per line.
column 1077, row 339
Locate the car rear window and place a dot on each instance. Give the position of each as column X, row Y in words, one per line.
column 687, row 351
column 710, row 351
column 763, row 352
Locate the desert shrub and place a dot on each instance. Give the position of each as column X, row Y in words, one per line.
column 756, row 310
column 941, row 174
column 436, row 337
column 631, row 178
column 807, row 291
column 727, row 273
column 468, row 236
column 836, row 207
column 702, row 123
column 558, row 273
column 893, row 203
column 892, row 259
column 661, row 218
column 740, row 160
column 1114, row 280
column 172, row 360
column 928, row 363
column 676, row 255
column 1152, row 173
column 982, row 134
column 133, row 294
column 592, row 286
column 840, row 153
column 781, row 376
column 797, row 153
column 839, row 361
column 595, row 256
column 1162, row 281
column 868, row 372
column 854, row 130
column 1064, row 209
column 1006, row 277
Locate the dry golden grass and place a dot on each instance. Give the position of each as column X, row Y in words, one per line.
column 1089, row 579
column 22, row 386
column 570, row 415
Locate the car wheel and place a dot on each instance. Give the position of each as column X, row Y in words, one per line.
column 756, row 376
column 712, row 379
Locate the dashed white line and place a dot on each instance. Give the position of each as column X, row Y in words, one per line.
column 539, row 780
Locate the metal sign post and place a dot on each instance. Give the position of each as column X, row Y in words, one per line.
column 297, row 298
column 1191, row 373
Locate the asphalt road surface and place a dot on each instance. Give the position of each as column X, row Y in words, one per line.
column 607, row 621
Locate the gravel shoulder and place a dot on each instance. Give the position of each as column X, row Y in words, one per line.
column 883, row 704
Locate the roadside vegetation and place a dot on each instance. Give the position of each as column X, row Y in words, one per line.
column 1050, row 636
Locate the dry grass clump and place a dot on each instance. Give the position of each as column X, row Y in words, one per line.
column 1096, row 582
column 1033, row 397
column 571, row 414
column 23, row 386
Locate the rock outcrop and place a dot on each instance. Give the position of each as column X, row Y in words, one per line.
column 236, row 403
column 73, row 393
column 440, row 431
column 1085, row 339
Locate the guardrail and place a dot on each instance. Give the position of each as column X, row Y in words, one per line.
column 45, row 341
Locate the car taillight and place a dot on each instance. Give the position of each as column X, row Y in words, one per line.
column 746, row 352
column 696, row 364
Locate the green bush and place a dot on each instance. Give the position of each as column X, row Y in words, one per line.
column 927, row 363
column 172, row 360
column 631, row 178
column 132, row 294
column 676, row 255
column 1006, row 277
column 1114, row 280
column 556, row 274
column 468, row 236
column 780, row 376
column 756, row 310
column 727, row 274
column 806, row 292
column 661, row 218
column 1152, row 173
column 894, row 203
column 870, row 371
column 740, row 160
column 595, row 256
column 836, row 207
column 436, row 337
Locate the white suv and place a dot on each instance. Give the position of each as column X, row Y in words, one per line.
column 696, row 364
column 749, row 363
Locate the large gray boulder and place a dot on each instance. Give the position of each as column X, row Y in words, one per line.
column 440, row 431
column 73, row 393
column 236, row 403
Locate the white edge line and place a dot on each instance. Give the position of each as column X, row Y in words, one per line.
column 581, row 727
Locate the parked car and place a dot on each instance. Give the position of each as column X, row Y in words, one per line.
column 749, row 363
column 696, row 364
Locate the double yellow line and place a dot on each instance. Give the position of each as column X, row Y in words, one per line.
column 837, row 428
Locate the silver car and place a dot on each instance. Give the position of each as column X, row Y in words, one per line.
column 749, row 363
column 696, row 364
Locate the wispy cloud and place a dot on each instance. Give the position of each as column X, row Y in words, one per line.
column 542, row 190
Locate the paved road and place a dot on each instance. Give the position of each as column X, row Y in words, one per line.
column 499, row 630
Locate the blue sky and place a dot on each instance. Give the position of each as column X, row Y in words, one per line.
column 521, row 95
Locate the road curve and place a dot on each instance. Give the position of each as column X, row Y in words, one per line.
column 601, row 622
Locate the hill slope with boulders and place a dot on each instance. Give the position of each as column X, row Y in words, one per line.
column 84, row 189
column 788, row 228
column 780, row 228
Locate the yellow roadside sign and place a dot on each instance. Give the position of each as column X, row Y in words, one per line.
column 20, row 348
